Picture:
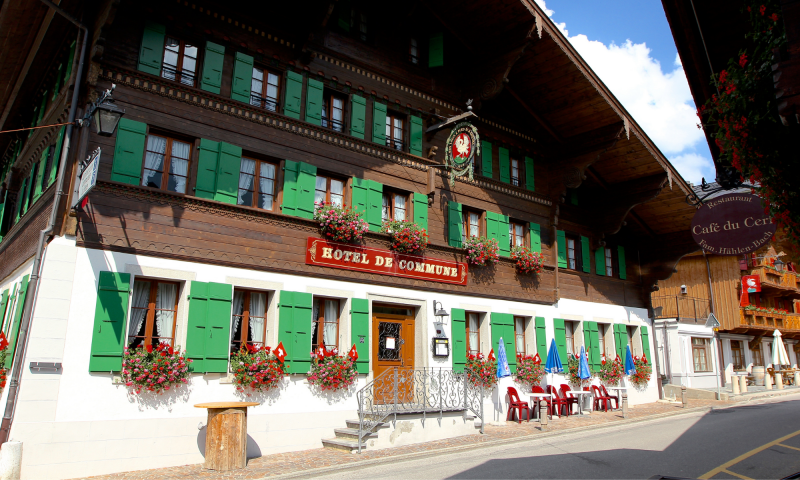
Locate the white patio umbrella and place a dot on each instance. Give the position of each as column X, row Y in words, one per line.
column 779, row 356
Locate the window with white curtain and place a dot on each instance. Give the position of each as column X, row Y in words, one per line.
column 166, row 163
column 519, row 334
column 325, row 323
column 473, row 333
column 257, row 184
column 154, row 308
column 248, row 318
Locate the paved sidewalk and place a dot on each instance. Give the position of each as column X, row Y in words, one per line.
column 298, row 462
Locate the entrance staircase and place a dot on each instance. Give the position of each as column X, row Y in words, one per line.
column 347, row 438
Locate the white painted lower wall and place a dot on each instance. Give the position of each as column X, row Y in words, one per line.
column 677, row 363
column 78, row 423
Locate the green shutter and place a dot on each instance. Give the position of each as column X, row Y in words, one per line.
column 541, row 338
column 207, row 166
column 458, row 346
column 57, row 84
column 492, row 226
column 600, row 261
column 294, row 319
column 344, row 14
column 151, row 51
column 505, row 165
column 359, row 332
column 71, row 58
column 503, row 327
column 378, row 123
column 415, row 136
column 529, row 183
column 3, row 304
column 561, row 340
column 358, row 197
column 12, row 337
column 561, row 241
column 37, row 184
column 536, row 237
column 294, row 92
column 56, row 162
column 620, row 340
column 242, row 77
column 421, row 210
column 436, row 50
column 299, row 181
column 2, row 214
column 586, row 254
column 623, row 273
column 27, row 195
column 314, row 102
column 645, row 343
column 196, row 326
column 211, row 80
column 572, row 196
column 358, row 117
column 592, row 343
column 109, row 333
column 218, row 327
column 375, row 206
column 129, row 152
column 42, row 106
column 486, row 159
column 230, row 163
column 18, row 204
column 503, row 235
column 455, row 224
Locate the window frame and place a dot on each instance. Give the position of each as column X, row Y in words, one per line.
column 319, row 301
column 519, row 320
column 178, row 72
column 577, row 246
column 465, row 213
column 326, row 116
column 257, row 184
column 149, row 320
column 602, row 336
column 170, row 137
column 391, row 141
column 263, row 99
column 706, row 364
column 392, row 196
column 569, row 336
column 741, row 366
column 757, row 355
column 328, row 192
column 512, row 234
column 413, row 45
column 245, row 320
column 608, row 255
column 469, row 345
column 514, row 165
column 359, row 18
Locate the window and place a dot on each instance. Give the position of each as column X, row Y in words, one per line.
column 257, row 184
column 471, row 225
column 609, row 263
column 601, row 337
column 700, row 355
column 394, row 206
column 153, row 313
column 329, row 190
column 358, row 24
column 265, row 89
column 32, row 187
column 516, row 234
column 166, row 163
column 248, row 319
column 737, row 355
column 325, row 323
column 180, row 61
column 514, row 172
column 413, row 51
column 473, row 334
column 333, row 112
column 394, row 131
column 569, row 332
column 519, row 334
column 631, row 331
column 572, row 253
column 758, row 355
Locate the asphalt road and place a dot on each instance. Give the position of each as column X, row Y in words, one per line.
column 751, row 441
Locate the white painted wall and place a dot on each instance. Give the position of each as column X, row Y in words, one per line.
column 80, row 423
column 680, row 353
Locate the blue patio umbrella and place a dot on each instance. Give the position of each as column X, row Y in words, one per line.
column 583, row 366
column 630, row 368
column 503, row 369
column 553, row 364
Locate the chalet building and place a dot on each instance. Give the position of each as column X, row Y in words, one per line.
column 238, row 116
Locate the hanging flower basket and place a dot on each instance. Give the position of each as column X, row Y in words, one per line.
column 529, row 372
column 481, row 372
column 340, row 224
column 610, row 373
column 331, row 372
column 256, row 368
column 527, row 262
column 154, row 369
column 574, row 379
column 482, row 251
column 641, row 376
column 407, row 237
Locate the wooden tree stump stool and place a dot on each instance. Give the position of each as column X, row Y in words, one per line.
column 226, row 435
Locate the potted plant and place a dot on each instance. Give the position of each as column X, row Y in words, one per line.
column 529, row 372
column 610, row 373
column 641, row 376
column 527, row 262
column 481, row 372
column 482, row 251
column 339, row 224
column 407, row 237
column 257, row 368
column 156, row 370
column 330, row 371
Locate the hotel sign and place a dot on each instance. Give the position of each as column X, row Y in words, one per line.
column 384, row 262
column 732, row 224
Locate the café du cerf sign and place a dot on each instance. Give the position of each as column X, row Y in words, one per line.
column 732, row 224
column 384, row 262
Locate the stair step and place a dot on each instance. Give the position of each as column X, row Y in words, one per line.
column 352, row 434
column 350, row 446
column 354, row 424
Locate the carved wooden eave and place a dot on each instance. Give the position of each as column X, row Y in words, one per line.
column 610, row 210
column 660, row 256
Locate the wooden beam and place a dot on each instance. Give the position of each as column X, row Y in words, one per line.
column 544, row 123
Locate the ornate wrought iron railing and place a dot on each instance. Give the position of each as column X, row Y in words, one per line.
column 427, row 391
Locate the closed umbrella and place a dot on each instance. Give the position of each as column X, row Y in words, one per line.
column 553, row 364
column 583, row 366
column 630, row 368
column 502, row 361
column 779, row 356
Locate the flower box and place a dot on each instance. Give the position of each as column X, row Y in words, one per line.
column 482, row 251
column 407, row 237
column 340, row 224
column 527, row 262
column 154, row 369
column 331, row 372
column 256, row 368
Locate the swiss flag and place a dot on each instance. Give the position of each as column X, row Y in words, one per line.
column 353, row 353
column 644, row 359
column 537, row 360
column 617, row 360
column 603, row 359
column 491, row 355
column 3, row 341
column 280, row 352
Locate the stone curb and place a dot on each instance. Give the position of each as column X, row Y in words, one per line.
column 492, row 443
column 761, row 395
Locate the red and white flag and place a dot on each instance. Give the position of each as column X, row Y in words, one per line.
column 603, row 359
column 353, row 353
column 3, row 341
column 491, row 355
column 644, row 359
column 280, row 352
column 537, row 360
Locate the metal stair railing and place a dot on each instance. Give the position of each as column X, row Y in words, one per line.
column 419, row 390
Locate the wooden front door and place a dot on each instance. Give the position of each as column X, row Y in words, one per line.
column 394, row 337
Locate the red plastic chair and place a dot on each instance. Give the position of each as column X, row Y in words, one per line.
column 516, row 404
column 611, row 397
column 558, row 402
column 598, row 397
column 566, row 393
column 538, row 389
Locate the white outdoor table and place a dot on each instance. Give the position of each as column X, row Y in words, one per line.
column 620, row 391
column 535, row 396
column 583, row 395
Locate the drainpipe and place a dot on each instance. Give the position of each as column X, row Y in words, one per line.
column 33, row 283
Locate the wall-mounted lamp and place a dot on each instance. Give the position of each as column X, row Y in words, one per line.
column 440, row 313
column 105, row 114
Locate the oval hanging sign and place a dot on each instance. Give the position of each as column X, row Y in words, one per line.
column 732, row 224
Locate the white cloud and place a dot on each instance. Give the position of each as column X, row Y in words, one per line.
column 693, row 167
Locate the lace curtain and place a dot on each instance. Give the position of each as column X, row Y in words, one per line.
column 141, row 297
column 179, row 165
column 165, row 306
column 154, row 161
column 246, row 179
column 238, row 309
column 258, row 305
column 520, row 335
column 331, row 323
column 473, row 333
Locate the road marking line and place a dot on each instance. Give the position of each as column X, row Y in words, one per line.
column 787, row 446
column 745, row 456
column 736, row 475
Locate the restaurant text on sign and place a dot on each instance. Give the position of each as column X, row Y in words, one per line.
column 732, row 224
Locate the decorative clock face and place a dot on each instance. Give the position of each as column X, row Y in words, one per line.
column 462, row 147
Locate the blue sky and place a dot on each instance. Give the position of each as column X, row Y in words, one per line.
column 630, row 47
